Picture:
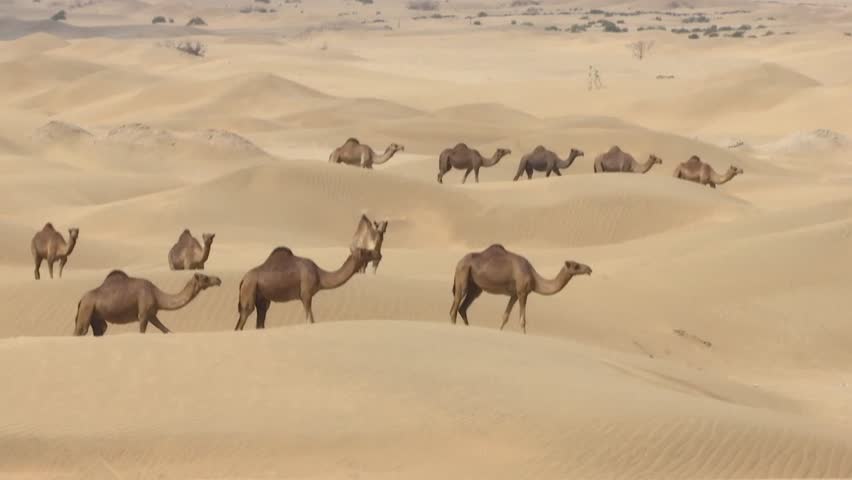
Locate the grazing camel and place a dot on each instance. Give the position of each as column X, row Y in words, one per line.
column 283, row 277
column 122, row 299
column 353, row 152
column 544, row 160
column 695, row 170
column 501, row 272
column 48, row 244
column 462, row 157
column 616, row 160
column 188, row 254
column 369, row 236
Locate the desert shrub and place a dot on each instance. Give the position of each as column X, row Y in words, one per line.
column 196, row 21
column 680, row 30
column 60, row 15
column 848, row 34
column 619, row 21
column 158, row 19
column 713, row 35
column 523, row 3
column 514, row 22
column 427, row 5
column 726, row 28
column 759, row 27
column 700, row 18
column 738, row 34
column 482, row 14
column 532, row 11
column 366, row 2
column 596, row 12
column 260, row 9
column 262, row 1
column 527, row 24
column 197, row 49
column 744, row 27
column 171, row 20
column 245, row 10
column 584, row 17
column 609, row 26
column 693, row 36
column 552, row 28
column 477, row 22
column 576, row 28
column 659, row 19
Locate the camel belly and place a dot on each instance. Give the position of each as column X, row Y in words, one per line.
column 279, row 286
column 118, row 314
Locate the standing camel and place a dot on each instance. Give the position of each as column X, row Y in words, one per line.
column 544, row 160
column 498, row 271
column 48, row 244
column 695, row 170
column 188, row 254
column 283, row 277
column 369, row 236
column 122, row 299
column 462, row 157
column 353, row 152
column 616, row 160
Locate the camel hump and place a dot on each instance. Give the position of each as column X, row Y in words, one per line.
column 48, row 226
column 497, row 247
column 185, row 234
column 280, row 252
column 614, row 149
column 539, row 149
column 116, row 274
column 351, row 141
column 461, row 146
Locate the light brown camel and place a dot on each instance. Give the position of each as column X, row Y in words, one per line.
column 283, row 277
column 501, row 272
column 369, row 236
column 462, row 157
column 544, row 160
column 617, row 160
column 188, row 254
column 695, row 170
column 353, row 152
column 122, row 299
column 48, row 244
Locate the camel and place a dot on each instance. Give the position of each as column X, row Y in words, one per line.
column 462, row 157
column 187, row 253
column 617, row 160
column 49, row 245
column 695, row 170
column 369, row 236
column 501, row 272
column 283, row 277
column 122, row 299
column 353, row 152
column 544, row 160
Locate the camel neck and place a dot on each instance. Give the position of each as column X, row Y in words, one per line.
column 167, row 301
column 329, row 280
column 544, row 286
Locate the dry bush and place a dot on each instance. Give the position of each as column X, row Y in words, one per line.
column 158, row 19
column 426, row 5
column 197, row 49
column 641, row 48
column 196, row 21
column 60, row 15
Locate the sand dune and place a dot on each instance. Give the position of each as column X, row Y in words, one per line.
column 711, row 340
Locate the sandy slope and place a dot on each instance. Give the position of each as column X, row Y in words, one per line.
column 712, row 340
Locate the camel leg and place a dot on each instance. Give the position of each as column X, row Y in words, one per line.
column 473, row 292
column 85, row 312
column 712, row 185
column 529, row 173
column 376, row 261
column 62, row 262
column 50, row 266
column 466, row 173
column 262, row 308
column 476, row 174
column 307, row 302
column 508, row 311
column 38, row 261
column 522, row 300
column 245, row 311
column 157, row 323
column 99, row 326
column 557, row 172
column 143, row 321
column 459, row 293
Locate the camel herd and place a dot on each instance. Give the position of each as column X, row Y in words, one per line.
column 284, row 276
column 540, row 159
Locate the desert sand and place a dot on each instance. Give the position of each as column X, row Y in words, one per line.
column 713, row 339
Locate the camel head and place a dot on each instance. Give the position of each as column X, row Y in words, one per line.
column 735, row 170
column 394, row 147
column 362, row 257
column 208, row 238
column 576, row 268
column 655, row 159
column 73, row 232
column 203, row 282
column 381, row 227
column 576, row 152
column 502, row 152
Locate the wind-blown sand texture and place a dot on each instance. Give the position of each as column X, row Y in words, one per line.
column 713, row 339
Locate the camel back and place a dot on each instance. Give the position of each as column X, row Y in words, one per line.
column 279, row 254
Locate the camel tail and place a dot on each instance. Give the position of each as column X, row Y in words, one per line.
column 239, row 296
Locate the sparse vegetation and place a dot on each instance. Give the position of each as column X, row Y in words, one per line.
column 482, row 14
column 477, row 22
column 552, row 28
column 159, row 19
column 423, row 5
column 641, row 48
column 693, row 36
column 577, row 28
column 196, row 21
column 366, row 2
column 700, row 18
column 59, row 16
column 523, row 3
column 196, row 49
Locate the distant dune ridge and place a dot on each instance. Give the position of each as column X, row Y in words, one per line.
column 711, row 341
